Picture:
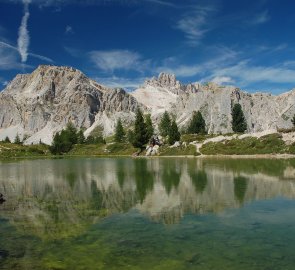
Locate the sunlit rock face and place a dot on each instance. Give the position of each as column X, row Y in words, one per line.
column 43, row 102
column 59, row 198
column 262, row 111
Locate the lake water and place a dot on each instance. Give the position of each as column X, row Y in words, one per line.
column 148, row 214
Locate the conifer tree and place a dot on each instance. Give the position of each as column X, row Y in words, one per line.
column 81, row 137
column 140, row 137
column 174, row 134
column 197, row 124
column 165, row 124
column 64, row 141
column 239, row 124
column 293, row 120
column 7, row 140
column 149, row 126
column 119, row 132
column 71, row 133
column 17, row 139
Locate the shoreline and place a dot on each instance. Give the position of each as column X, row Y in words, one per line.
column 218, row 156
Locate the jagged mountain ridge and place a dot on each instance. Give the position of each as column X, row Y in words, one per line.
column 263, row 111
column 43, row 102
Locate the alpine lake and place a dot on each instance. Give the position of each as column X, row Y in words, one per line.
column 148, row 213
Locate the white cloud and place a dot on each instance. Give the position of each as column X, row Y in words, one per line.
column 250, row 73
column 23, row 41
column 9, row 58
column 69, row 30
column 120, row 82
column 162, row 3
column 182, row 70
column 222, row 80
column 223, row 56
column 5, row 83
column 60, row 3
column 195, row 24
column 41, row 57
column 116, row 60
column 261, row 18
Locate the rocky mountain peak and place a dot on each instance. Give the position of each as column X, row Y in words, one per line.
column 164, row 80
column 41, row 103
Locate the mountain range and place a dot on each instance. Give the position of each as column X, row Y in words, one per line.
column 38, row 105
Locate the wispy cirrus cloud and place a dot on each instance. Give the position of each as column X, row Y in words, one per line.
column 162, row 3
column 223, row 56
column 112, row 60
column 247, row 73
column 195, row 23
column 69, row 30
column 9, row 59
column 260, row 18
column 121, row 82
column 23, row 40
column 221, row 80
column 61, row 3
column 15, row 49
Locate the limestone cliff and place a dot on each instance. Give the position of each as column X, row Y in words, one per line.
column 42, row 103
column 263, row 111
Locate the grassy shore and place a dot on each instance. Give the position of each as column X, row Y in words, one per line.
column 267, row 146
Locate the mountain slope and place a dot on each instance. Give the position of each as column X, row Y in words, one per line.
column 39, row 104
column 43, row 102
column 262, row 111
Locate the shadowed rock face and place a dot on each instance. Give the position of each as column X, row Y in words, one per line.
column 42, row 103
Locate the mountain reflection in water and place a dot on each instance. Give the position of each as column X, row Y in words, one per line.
column 80, row 191
column 159, row 213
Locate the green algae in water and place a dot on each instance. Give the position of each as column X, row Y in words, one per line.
column 147, row 214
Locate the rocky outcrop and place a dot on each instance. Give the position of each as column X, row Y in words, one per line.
column 263, row 111
column 40, row 104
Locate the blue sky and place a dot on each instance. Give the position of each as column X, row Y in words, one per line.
column 247, row 43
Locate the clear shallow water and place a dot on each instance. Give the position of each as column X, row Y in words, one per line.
column 148, row 214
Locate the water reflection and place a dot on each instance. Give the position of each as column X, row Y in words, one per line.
column 240, row 188
column 80, row 192
column 198, row 177
column 143, row 177
column 171, row 174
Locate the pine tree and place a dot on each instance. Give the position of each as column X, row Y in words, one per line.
column 239, row 124
column 140, row 137
column 81, row 137
column 149, row 126
column 174, row 134
column 7, row 140
column 56, row 146
column 165, row 124
column 17, row 139
column 119, row 132
column 293, row 120
column 63, row 142
column 197, row 124
column 71, row 133
column 130, row 136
